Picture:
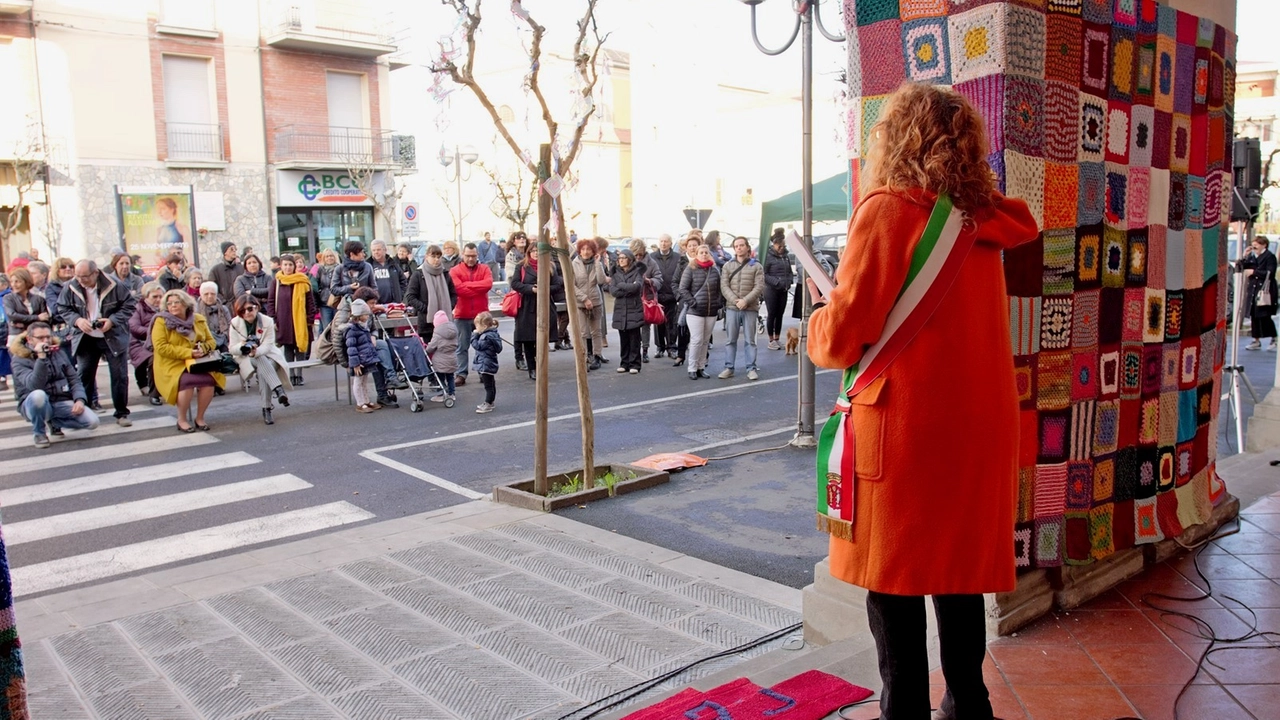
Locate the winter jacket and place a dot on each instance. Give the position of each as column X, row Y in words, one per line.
column 451, row 261
column 684, row 265
column 279, row 306
column 742, row 281
column 324, row 278
column 443, row 348
column 256, row 285
column 777, row 271
column 700, row 290
column 114, row 303
column 174, row 356
column 225, row 274
column 53, row 291
column 524, row 282
column 628, row 309
column 720, row 255
column 360, row 349
column 472, row 284
column 140, row 349
column 513, row 260
column 266, row 336
column 669, row 265
column 131, row 281
column 387, row 280
column 352, row 273
column 54, row 373
column 487, row 345
column 168, row 281
column 587, row 280
column 418, row 297
column 219, row 319
column 1264, row 270
column 488, row 252
column 653, row 273
column 22, row 313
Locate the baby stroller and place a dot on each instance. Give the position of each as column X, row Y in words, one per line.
column 410, row 355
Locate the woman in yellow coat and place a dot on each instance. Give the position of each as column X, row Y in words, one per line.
column 181, row 336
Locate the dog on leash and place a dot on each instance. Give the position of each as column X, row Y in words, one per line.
column 793, row 341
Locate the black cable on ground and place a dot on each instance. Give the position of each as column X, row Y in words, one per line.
column 625, row 694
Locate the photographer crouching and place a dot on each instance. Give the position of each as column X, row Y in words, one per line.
column 47, row 386
column 253, row 342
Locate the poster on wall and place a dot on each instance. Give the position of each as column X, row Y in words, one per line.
column 156, row 221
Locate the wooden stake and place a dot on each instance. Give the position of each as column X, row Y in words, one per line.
column 540, row 484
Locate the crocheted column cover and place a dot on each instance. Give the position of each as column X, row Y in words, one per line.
column 13, row 706
column 1112, row 119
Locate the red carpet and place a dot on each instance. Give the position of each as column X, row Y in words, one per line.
column 808, row 696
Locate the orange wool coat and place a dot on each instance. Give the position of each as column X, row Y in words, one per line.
column 937, row 434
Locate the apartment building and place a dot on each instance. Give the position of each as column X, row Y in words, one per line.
column 167, row 122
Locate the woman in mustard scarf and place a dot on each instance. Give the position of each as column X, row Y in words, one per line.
column 291, row 304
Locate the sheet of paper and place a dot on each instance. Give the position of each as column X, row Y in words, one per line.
column 811, row 266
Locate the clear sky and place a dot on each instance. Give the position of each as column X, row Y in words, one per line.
column 1257, row 22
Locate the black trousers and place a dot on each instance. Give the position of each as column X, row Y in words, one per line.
column 88, row 354
column 1263, row 325
column 775, row 304
column 292, row 354
column 630, row 348
column 898, row 624
column 528, row 349
column 562, row 326
column 144, row 376
column 665, row 335
column 490, row 387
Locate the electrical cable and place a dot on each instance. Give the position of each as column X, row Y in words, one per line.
column 625, row 694
column 749, row 452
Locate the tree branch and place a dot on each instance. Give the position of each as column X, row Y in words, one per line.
column 589, row 71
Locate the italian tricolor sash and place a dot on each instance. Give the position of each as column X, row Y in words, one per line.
column 935, row 264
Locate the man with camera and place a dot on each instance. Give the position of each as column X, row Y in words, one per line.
column 96, row 310
column 50, row 394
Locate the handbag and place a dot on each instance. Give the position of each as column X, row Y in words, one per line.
column 653, row 313
column 1264, row 298
column 224, row 363
column 334, row 301
column 511, row 303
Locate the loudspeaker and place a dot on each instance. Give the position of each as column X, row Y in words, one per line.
column 1245, row 205
column 1246, row 160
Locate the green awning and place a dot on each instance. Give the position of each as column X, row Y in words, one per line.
column 830, row 202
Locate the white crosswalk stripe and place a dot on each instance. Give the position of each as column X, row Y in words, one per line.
column 119, row 500
column 20, row 424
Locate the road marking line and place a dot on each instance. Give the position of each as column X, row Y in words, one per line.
column 123, row 478
column 133, row 511
column 100, row 564
column 21, row 424
column 106, row 429
column 41, row 460
column 424, row 476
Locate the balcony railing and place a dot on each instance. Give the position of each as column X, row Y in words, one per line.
column 195, row 141
column 324, row 146
column 343, row 27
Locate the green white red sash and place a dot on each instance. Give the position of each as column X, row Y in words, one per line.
column 935, row 264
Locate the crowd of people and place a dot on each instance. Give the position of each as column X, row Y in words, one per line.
column 184, row 329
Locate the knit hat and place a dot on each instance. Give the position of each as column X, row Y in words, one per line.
column 224, row 246
column 360, row 308
column 629, row 255
column 440, row 318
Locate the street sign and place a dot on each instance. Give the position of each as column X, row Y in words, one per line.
column 409, row 220
column 697, row 217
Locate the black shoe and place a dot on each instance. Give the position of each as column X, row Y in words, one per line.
column 520, row 365
column 644, row 358
column 679, row 361
column 156, row 400
column 532, row 376
column 266, row 417
column 602, row 359
column 566, row 345
column 57, row 432
column 95, row 406
column 595, row 365
column 299, row 382
column 219, row 391
column 703, row 374
column 388, row 402
column 279, row 393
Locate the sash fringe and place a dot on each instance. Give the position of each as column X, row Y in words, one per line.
column 842, row 529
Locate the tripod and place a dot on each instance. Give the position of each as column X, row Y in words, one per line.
column 1234, row 370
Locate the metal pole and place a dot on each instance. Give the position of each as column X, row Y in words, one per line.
column 457, row 163
column 804, row 426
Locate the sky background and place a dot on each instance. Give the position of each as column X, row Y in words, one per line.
column 1257, row 22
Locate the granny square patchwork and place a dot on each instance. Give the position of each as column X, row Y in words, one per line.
column 1112, row 120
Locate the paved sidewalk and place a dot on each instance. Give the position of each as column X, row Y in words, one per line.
column 480, row 612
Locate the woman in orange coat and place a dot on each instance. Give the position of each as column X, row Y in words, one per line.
column 936, row 434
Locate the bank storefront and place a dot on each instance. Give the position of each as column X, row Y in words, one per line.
column 320, row 210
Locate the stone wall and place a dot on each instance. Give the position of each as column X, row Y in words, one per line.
column 244, row 190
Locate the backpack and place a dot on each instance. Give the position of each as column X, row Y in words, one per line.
column 330, row 352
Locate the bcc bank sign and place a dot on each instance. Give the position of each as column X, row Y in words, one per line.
column 300, row 187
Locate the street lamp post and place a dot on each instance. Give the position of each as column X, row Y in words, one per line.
column 460, row 155
column 807, row 12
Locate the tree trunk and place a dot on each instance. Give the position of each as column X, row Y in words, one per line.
column 540, row 484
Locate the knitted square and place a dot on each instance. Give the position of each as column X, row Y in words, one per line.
column 1109, row 374
column 1022, row 267
column 1192, row 306
column 1097, row 11
column 977, row 40
column 1146, row 528
column 1025, row 42
column 1152, row 357
column 1124, row 57
column 1022, row 547
column 1166, row 49
column 1136, row 272
column 1180, row 143
column 1063, row 49
column 1197, row 160
column 958, row 6
column 1153, row 323
column 1184, row 79
column 1190, row 365
column 1085, row 309
column 918, row 9
column 1193, row 264
column 1182, row 463
column 1024, row 381
column 1220, row 39
column 1215, row 97
column 1144, row 81
column 987, row 94
column 1117, row 194
column 1167, row 20
column 1188, row 28
column 1195, row 220
column 1053, row 436
column 1048, row 540
column 1088, row 256
column 1134, row 302
column 1170, row 355
column 1206, row 31
column 1024, row 178
column 1059, row 254
column 996, row 161
column 1066, row 7
column 1200, row 96
column 1084, row 375
column 1106, row 428
column 1110, row 316
column 1118, row 132
column 1061, row 184
column 1082, row 415
column 1024, row 115
column 1055, row 323
column 1050, row 490
column 1148, row 467
column 1141, row 125
column 870, row 12
column 1173, row 316
column 1147, row 17
column 872, row 107
column 1161, row 144
column 1187, row 427
column 1139, row 200
column 1126, row 487
column 1131, row 371
column 882, row 68
column 1177, row 204
column 1061, row 122
column 1091, row 199
column 1024, row 325
column 1208, row 350
column 1216, row 147
column 924, row 50
column 1167, row 505
column 1126, row 13
column 1104, row 478
column 1114, row 257
column 1205, row 399
column 1079, row 483
column 1149, row 429
column 1101, row 539
column 1053, row 378
column 1093, row 128
column 1209, row 248
column 1097, row 45
column 1157, row 240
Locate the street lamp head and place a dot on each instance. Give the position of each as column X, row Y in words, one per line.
column 752, row 3
column 446, row 157
column 469, row 155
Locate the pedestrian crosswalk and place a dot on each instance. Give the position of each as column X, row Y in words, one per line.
column 100, row 504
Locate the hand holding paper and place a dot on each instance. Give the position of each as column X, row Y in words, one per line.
column 811, row 266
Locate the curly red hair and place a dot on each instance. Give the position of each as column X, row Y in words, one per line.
column 932, row 138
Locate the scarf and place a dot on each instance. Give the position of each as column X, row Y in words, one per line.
column 704, row 265
column 300, row 334
column 437, row 290
column 352, row 265
column 186, row 328
column 533, row 263
column 192, row 291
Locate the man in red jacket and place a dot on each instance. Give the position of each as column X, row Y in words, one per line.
column 473, row 282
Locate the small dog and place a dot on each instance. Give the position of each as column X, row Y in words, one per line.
column 793, row 341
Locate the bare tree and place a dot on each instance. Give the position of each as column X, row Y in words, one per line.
column 587, row 44
column 24, row 170
column 516, row 199
column 445, row 194
column 372, row 163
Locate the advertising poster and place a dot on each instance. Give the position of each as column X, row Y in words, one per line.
column 156, row 221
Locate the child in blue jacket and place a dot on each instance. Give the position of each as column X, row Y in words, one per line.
column 362, row 357
column 487, row 344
